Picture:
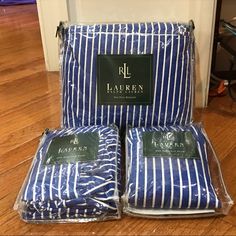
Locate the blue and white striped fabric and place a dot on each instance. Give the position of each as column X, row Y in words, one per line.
column 168, row 185
column 172, row 47
column 79, row 191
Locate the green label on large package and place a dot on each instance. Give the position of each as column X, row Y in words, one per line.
column 72, row 148
column 125, row 79
column 170, row 144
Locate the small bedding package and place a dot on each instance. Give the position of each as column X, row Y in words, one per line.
column 74, row 177
column 173, row 172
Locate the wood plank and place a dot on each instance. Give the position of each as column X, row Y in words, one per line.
column 20, row 136
column 230, row 181
column 37, row 108
column 219, row 227
column 22, row 70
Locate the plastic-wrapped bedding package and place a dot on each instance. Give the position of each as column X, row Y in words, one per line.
column 134, row 74
column 173, row 172
column 74, row 177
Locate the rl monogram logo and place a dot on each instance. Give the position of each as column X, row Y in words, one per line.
column 124, row 70
column 169, row 136
column 75, row 141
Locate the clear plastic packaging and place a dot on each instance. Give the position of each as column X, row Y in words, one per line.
column 173, row 171
column 74, row 177
column 133, row 74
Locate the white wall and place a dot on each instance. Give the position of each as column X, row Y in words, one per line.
column 50, row 12
column 88, row 11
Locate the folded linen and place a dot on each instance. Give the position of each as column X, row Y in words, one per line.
column 168, row 172
column 75, row 175
column 155, row 81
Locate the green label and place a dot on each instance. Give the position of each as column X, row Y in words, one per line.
column 72, row 148
column 125, row 79
column 170, row 144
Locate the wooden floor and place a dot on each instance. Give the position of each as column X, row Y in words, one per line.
column 29, row 102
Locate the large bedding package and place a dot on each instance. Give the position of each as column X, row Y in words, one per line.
column 138, row 74
column 168, row 173
column 75, row 176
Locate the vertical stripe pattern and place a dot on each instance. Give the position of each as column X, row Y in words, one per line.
column 81, row 190
column 171, row 46
column 168, row 182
